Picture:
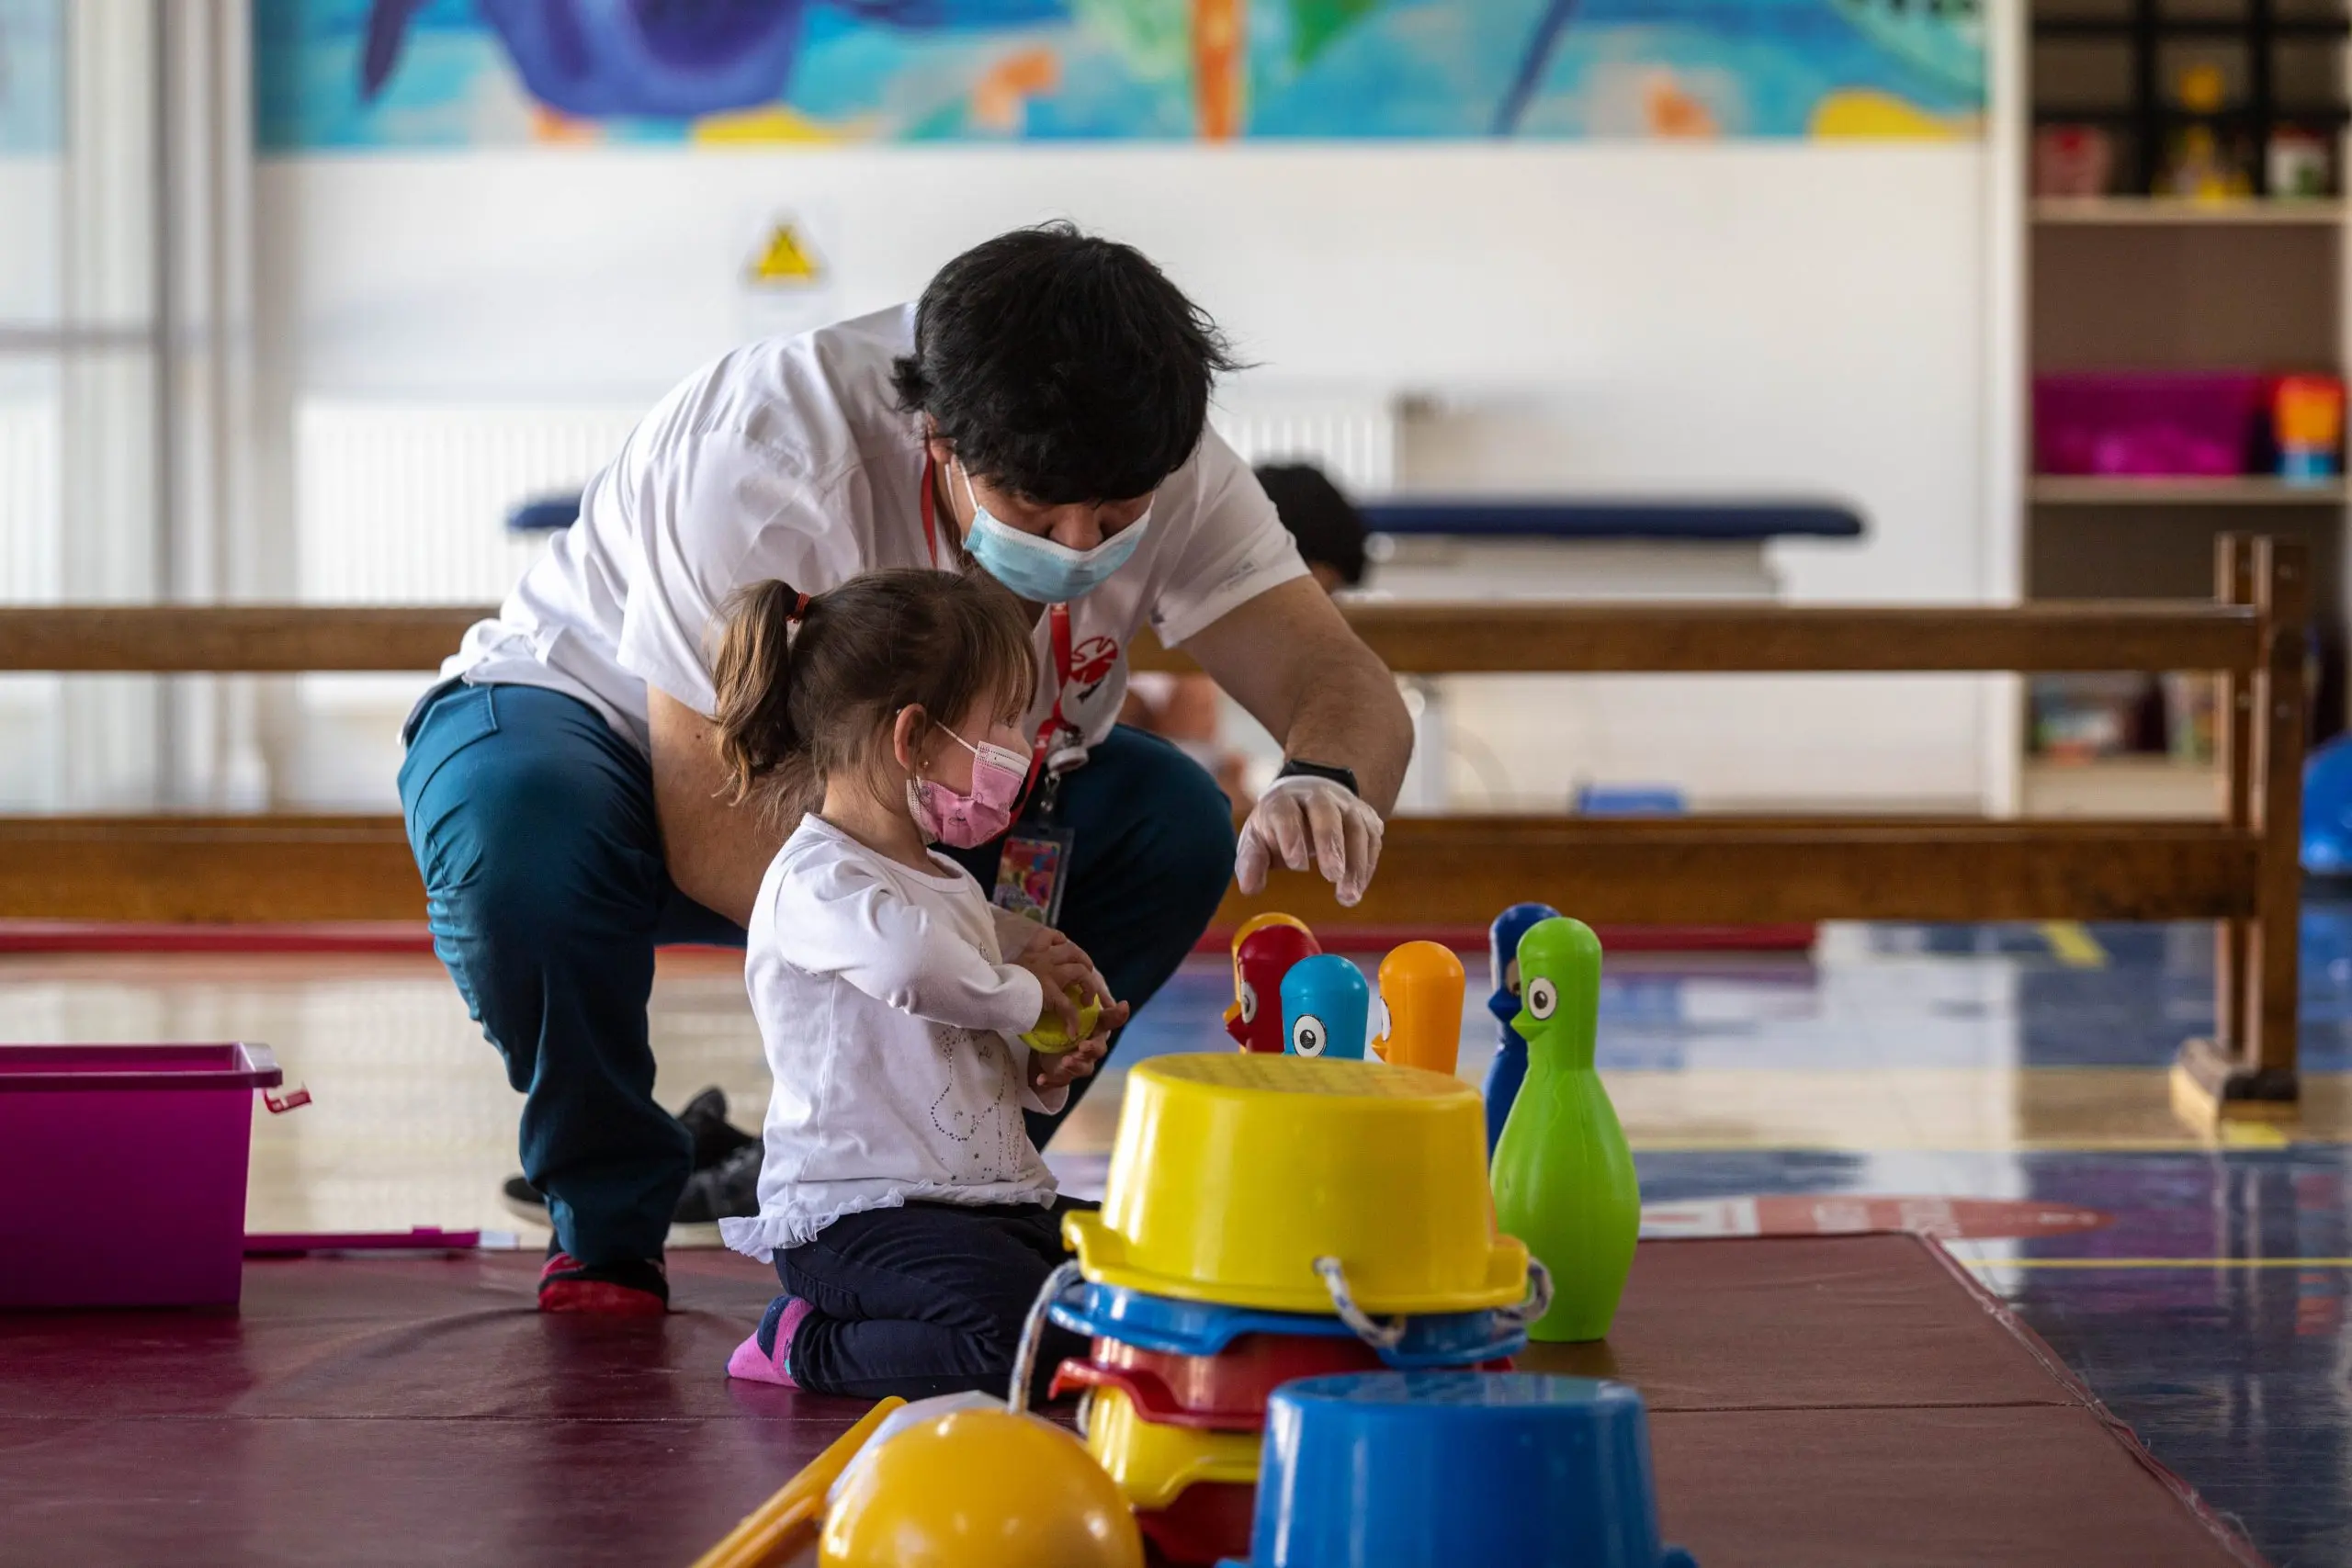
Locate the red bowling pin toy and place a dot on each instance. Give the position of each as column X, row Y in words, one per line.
column 1263, row 950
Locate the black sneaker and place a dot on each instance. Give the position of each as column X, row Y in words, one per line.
column 716, row 1142
column 728, row 1190
column 715, row 1139
column 525, row 1200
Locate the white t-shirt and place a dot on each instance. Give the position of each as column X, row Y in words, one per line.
column 889, row 1012
column 789, row 459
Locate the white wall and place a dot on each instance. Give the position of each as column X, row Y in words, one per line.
column 1729, row 318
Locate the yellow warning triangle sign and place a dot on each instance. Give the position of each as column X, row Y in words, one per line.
column 787, row 258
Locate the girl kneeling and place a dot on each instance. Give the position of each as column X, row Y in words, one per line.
column 908, row 1216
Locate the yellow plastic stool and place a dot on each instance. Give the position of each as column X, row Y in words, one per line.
column 1151, row 1462
column 1233, row 1173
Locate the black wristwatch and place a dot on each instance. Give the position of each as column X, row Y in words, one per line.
column 1294, row 768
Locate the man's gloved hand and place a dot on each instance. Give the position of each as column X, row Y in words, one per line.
column 1310, row 821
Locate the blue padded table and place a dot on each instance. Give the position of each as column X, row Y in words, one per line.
column 1535, row 517
column 1698, row 521
column 543, row 514
column 1486, row 548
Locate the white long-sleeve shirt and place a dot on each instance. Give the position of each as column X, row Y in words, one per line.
column 889, row 1012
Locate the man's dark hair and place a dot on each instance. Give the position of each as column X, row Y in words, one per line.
column 1325, row 523
column 1062, row 367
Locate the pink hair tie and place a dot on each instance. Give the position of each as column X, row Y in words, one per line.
column 800, row 609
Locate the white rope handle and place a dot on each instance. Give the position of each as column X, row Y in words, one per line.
column 1033, row 1333
column 1539, row 1298
column 1388, row 1336
column 1379, row 1335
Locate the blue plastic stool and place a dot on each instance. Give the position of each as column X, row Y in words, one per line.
column 1400, row 1469
column 1176, row 1327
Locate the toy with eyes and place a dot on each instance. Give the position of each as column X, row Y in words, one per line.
column 1563, row 1174
column 1326, row 1006
column 1510, row 1066
column 1420, row 1015
column 1263, row 950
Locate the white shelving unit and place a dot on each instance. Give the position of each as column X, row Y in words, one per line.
column 2252, row 490
column 2122, row 786
column 2144, row 211
column 2130, row 283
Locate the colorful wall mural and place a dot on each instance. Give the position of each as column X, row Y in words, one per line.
column 426, row 73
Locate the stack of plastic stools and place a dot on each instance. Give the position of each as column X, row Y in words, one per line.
column 1267, row 1219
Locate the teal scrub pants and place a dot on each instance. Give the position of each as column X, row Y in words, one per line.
column 533, row 823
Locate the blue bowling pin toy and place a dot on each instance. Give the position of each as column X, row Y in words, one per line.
column 1508, row 1069
column 1326, row 1008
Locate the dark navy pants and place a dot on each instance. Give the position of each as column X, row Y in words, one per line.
column 922, row 1300
column 533, row 826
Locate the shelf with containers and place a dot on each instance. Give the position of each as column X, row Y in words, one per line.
column 2185, row 342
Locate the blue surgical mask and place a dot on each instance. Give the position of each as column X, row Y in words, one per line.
column 1040, row 570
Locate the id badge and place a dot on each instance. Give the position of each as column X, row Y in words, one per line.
column 1033, row 870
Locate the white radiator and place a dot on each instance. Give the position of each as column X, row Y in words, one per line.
column 407, row 504
column 1350, row 435
column 30, row 567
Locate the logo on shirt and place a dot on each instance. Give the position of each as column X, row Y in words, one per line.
column 1091, row 663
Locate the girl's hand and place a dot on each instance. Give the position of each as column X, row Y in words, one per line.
column 1097, row 987
column 1051, row 1072
column 1047, row 1071
column 1059, row 964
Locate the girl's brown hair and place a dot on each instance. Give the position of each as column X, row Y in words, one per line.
column 805, row 687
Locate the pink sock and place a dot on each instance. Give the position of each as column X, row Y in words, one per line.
column 754, row 1365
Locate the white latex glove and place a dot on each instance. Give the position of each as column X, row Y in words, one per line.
column 1310, row 821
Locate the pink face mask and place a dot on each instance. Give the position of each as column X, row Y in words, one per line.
column 967, row 821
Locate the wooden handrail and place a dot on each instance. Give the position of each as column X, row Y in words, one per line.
column 1414, row 639
column 1434, row 871
column 179, row 640
column 1734, row 638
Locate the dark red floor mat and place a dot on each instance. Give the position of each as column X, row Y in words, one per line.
column 1818, row 1402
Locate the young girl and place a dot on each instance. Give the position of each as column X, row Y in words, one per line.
column 906, row 1213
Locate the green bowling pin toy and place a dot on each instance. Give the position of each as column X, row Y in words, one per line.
column 1563, row 1174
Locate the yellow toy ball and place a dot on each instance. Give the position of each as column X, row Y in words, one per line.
column 1053, row 1037
column 980, row 1489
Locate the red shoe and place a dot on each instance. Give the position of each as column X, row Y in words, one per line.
column 635, row 1288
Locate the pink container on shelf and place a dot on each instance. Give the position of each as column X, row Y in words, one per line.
column 123, row 1172
column 2148, row 424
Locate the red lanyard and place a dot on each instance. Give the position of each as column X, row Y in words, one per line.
column 1058, row 617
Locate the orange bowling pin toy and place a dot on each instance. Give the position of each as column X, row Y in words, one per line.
column 1263, row 950
column 1420, row 1008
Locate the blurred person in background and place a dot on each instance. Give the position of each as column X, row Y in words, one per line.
column 1189, row 709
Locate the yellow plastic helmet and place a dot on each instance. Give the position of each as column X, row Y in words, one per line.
column 980, row 1489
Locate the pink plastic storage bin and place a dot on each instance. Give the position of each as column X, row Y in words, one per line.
column 2147, row 424
column 123, row 1172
